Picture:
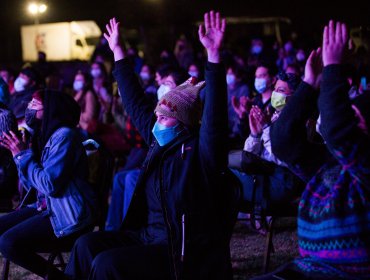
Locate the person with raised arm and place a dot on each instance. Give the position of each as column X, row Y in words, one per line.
column 180, row 219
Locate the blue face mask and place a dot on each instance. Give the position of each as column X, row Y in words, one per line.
column 260, row 84
column 164, row 134
column 256, row 49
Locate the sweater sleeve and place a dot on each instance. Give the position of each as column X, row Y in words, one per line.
column 289, row 134
column 137, row 104
column 213, row 130
column 349, row 145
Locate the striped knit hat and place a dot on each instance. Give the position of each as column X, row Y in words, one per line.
column 183, row 103
column 7, row 121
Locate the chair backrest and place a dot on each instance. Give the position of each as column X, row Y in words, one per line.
column 101, row 164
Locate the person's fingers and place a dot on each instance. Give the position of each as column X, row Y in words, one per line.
column 7, row 136
column 206, row 22
column 344, row 33
column 223, row 25
column 310, row 57
column 234, row 101
column 201, row 31
column 108, row 29
column 106, row 36
column 325, row 38
column 218, row 24
column 338, row 33
column 15, row 138
column 212, row 19
column 331, row 32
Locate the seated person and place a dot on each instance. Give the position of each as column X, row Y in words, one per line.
column 56, row 167
column 333, row 219
column 276, row 184
column 180, row 219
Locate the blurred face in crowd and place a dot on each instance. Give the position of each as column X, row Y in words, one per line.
column 256, row 46
column 166, row 84
column 6, row 76
column 145, row 73
column 263, row 80
column 283, row 88
column 23, row 82
column 79, row 82
column 231, row 78
column 36, row 105
column 193, row 71
column 96, row 71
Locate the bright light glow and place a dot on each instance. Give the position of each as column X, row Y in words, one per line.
column 42, row 8
column 33, row 8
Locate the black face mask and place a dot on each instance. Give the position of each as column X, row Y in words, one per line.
column 31, row 120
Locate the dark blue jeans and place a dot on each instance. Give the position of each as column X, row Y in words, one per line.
column 27, row 231
column 123, row 189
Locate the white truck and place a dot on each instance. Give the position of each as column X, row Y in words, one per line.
column 60, row 41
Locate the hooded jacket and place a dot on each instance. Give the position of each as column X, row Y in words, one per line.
column 59, row 171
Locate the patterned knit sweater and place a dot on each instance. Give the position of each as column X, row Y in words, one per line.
column 334, row 211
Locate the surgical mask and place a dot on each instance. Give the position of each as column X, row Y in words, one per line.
column 145, row 76
column 278, row 100
column 256, row 49
column 260, row 84
column 78, row 85
column 30, row 118
column 95, row 73
column 300, row 56
column 162, row 90
column 164, row 134
column 230, row 79
column 20, row 84
column 193, row 74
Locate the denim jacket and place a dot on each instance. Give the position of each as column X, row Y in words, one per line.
column 62, row 177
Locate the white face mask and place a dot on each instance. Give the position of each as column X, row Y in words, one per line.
column 260, row 84
column 95, row 73
column 162, row 90
column 78, row 85
column 145, row 76
column 20, row 84
column 193, row 74
column 230, row 79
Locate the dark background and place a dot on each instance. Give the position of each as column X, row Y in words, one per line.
column 162, row 21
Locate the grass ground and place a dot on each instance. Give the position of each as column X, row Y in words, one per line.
column 247, row 248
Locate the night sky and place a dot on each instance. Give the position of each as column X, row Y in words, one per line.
column 307, row 16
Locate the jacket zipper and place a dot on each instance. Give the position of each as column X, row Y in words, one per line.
column 183, row 238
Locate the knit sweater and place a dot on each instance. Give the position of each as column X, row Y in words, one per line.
column 334, row 211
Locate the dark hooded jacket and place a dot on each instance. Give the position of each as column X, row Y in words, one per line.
column 195, row 186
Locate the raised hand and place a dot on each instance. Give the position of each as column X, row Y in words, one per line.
column 113, row 38
column 313, row 69
column 256, row 121
column 13, row 143
column 335, row 43
column 211, row 35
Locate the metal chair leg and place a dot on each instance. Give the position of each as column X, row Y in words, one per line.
column 269, row 245
column 5, row 273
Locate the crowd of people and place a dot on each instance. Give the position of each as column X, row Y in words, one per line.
column 301, row 123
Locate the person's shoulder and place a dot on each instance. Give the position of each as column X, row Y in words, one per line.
column 66, row 132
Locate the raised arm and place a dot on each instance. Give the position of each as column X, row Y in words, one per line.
column 289, row 134
column 339, row 125
column 213, row 131
column 137, row 104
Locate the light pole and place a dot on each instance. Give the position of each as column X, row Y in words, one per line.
column 36, row 9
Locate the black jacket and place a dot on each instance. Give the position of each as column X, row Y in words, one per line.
column 195, row 184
